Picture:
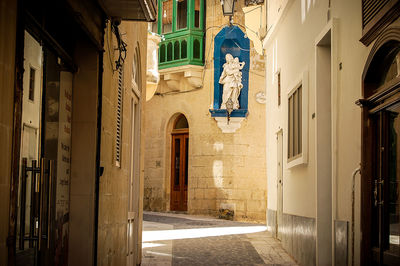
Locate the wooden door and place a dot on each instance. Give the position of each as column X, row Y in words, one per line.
column 385, row 213
column 179, row 171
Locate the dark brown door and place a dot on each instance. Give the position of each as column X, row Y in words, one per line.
column 179, row 172
column 385, row 212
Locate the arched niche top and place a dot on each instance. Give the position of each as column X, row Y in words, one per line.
column 383, row 63
column 181, row 122
column 231, row 39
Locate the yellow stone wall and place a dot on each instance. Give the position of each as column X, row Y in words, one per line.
column 225, row 169
column 114, row 183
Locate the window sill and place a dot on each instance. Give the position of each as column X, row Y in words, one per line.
column 296, row 161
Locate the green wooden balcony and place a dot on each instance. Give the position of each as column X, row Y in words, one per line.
column 181, row 22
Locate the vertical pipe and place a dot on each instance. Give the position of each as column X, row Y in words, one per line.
column 22, row 204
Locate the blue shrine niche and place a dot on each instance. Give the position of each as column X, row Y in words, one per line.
column 232, row 40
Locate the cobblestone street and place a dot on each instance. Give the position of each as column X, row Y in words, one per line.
column 178, row 239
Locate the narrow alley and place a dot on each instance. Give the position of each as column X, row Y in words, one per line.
column 179, row 239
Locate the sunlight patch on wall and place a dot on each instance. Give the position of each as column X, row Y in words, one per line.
column 218, row 170
column 218, row 146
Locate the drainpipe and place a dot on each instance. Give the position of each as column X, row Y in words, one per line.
column 353, row 192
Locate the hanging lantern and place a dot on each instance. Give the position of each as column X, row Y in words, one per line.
column 228, row 7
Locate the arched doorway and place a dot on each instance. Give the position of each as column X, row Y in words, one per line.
column 179, row 164
column 381, row 152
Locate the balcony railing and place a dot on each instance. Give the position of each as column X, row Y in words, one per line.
column 185, row 49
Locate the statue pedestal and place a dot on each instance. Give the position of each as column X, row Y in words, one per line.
column 234, row 124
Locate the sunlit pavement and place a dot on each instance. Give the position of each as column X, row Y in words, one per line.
column 179, row 239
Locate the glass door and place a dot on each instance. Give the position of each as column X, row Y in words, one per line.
column 43, row 192
column 385, row 188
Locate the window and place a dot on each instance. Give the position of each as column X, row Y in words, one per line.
column 184, row 49
column 176, row 50
column 295, row 124
column 393, row 71
column 181, row 122
column 196, row 49
column 32, row 84
column 136, row 72
column 162, row 53
column 169, row 52
column 167, row 16
column 181, row 18
column 197, row 13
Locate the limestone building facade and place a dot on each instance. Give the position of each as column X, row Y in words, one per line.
column 194, row 160
column 328, row 159
column 71, row 83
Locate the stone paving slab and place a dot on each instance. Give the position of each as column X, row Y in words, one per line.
column 178, row 239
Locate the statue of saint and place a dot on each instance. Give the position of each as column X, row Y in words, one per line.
column 231, row 78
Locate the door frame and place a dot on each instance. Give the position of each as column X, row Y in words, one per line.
column 374, row 99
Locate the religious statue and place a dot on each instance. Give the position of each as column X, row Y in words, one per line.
column 231, row 78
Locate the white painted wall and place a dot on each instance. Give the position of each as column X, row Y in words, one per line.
column 290, row 48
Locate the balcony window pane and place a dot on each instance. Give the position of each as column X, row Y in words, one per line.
column 196, row 49
column 166, row 16
column 184, row 49
column 197, row 13
column 176, row 50
column 162, row 53
column 181, row 20
column 169, row 52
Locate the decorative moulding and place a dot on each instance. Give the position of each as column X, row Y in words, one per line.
column 234, row 124
column 173, row 76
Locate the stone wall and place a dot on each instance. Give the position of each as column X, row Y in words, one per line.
column 226, row 170
column 114, row 183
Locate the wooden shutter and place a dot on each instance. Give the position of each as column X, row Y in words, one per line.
column 370, row 8
column 118, row 141
column 376, row 16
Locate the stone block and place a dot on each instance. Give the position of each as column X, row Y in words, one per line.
column 210, row 193
column 259, row 195
column 202, row 182
column 199, row 193
column 256, row 205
